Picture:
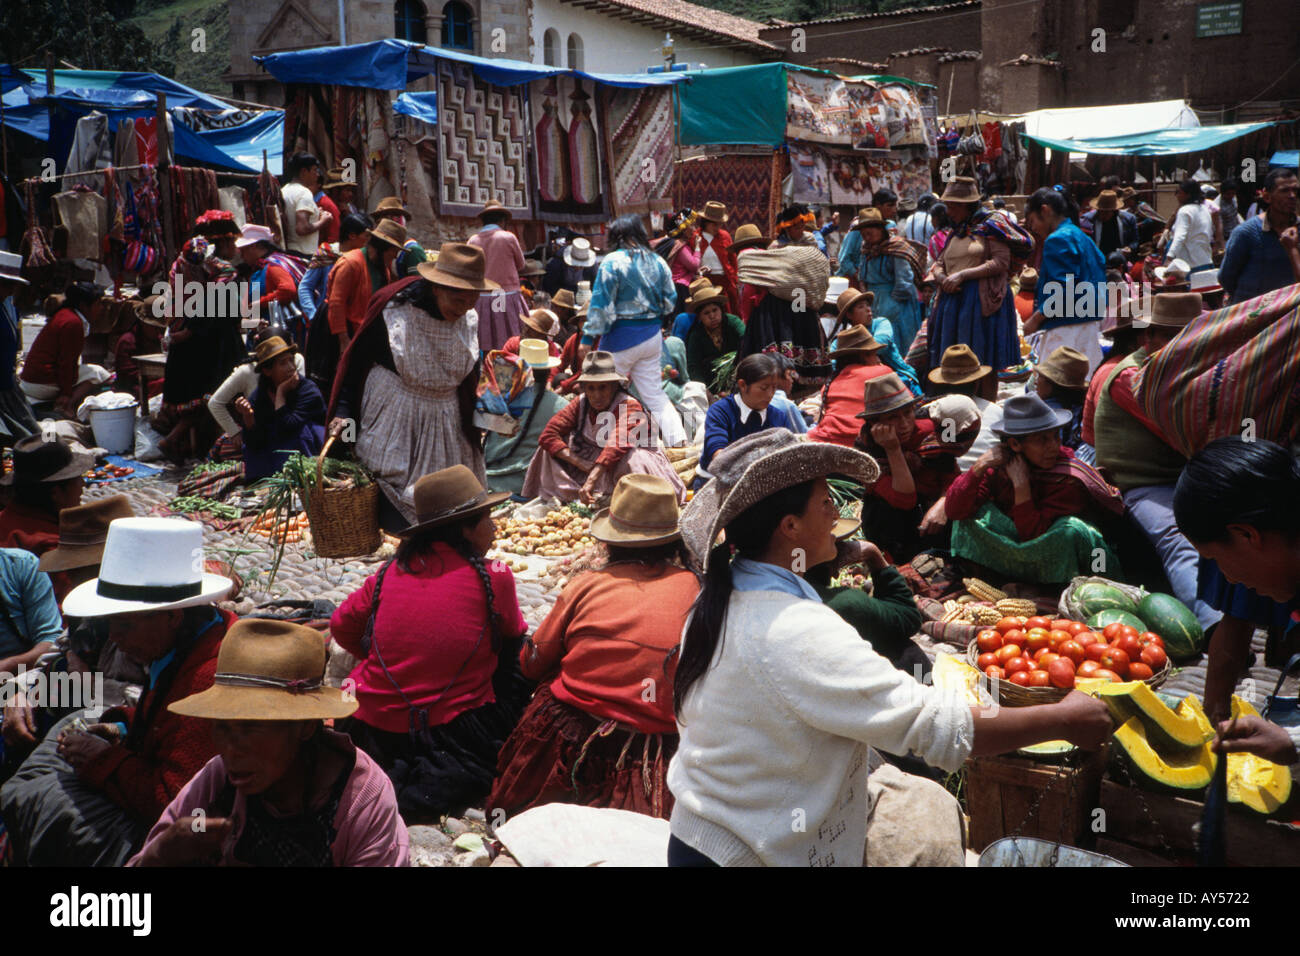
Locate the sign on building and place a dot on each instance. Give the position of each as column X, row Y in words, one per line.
column 1218, row 19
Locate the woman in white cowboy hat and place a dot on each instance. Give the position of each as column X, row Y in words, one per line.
column 282, row 790
column 1027, row 509
column 600, row 731
column 436, row 634
column 507, row 457
column 500, row 310
column 595, row 440
column 88, row 794
column 408, row 381
column 778, row 700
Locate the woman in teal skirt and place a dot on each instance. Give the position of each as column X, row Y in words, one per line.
column 890, row 268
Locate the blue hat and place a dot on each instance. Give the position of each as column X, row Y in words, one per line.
column 1026, row 414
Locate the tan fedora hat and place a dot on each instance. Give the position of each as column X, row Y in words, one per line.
column 491, row 206
column 542, row 321
column 958, row 366
column 449, row 495
column 706, row 294
column 714, row 211
column 1107, row 199
column 536, row 353
column 1174, row 310
column 847, row 300
column 334, row 179
column 961, row 189
column 459, row 266
column 642, row 511
column 268, row 670
column 884, row 394
column 388, row 207
column 1067, row 367
column 269, row 348
column 870, row 216
column 532, row 268
column 855, row 340
column 83, row 530
column 1028, row 279
column 746, row 236
column 599, row 367
column 390, row 232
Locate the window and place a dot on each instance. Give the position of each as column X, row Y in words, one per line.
column 457, row 26
column 575, row 52
column 551, row 48
column 408, row 21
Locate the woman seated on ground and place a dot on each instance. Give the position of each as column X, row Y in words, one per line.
column 507, row 457
column 452, row 677
column 600, row 730
column 47, row 477
column 538, row 324
column 778, row 700
column 916, row 467
column 715, row 333
column 144, row 337
column 857, row 360
column 1028, row 509
column 52, row 370
column 286, row 414
column 282, row 790
column 855, row 309
column 596, row 440
column 241, row 383
column 1062, row 382
column 789, row 378
column 748, row 410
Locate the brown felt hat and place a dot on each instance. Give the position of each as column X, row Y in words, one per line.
column 268, row 670
column 958, row 366
column 491, row 206
column 599, row 367
column 83, row 531
column 334, row 179
column 1066, row 367
column 542, row 321
column 746, row 236
column 37, row 461
column 855, row 340
column 532, row 268
column 268, row 349
column 459, row 266
column 848, row 300
column 449, row 495
column 714, row 211
column 1174, row 310
column 707, row 294
column 642, row 512
column 871, row 216
column 144, row 311
column 961, row 189
column 1028, row 279
column 388, row 206
column 1107, row 199
column 884, row 394
column 390, row 232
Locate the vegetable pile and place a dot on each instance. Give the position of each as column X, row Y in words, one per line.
column 190, row 504
column 561, row 532
column 1042, row 652
column 108, row 472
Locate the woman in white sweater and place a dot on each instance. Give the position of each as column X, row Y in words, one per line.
column 777, row 698
column 241, row 382
column 1191, row 236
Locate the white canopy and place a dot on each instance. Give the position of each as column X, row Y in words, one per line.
column 1088, row 122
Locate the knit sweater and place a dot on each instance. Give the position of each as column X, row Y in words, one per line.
column 1132, row 455
column 722, row 425
column 771, row 768
column 55, row 355
column 887, row 617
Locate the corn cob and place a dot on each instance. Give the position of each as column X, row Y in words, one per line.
column 982, row 614
column 1017, row 607
column 983, row 590
column 952, row 612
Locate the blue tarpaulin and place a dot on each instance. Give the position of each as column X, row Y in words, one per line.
column 244, row 143
column 11, row 77
column 1157, row 142
column 423, row 106
column 392, row 64
column 1285, row 157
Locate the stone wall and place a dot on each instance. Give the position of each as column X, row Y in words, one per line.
column 875, row 37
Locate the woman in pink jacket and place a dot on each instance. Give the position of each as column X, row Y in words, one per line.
column 500, row 312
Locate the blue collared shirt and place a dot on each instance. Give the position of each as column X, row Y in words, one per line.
column 1254, row 261
column 750, row 575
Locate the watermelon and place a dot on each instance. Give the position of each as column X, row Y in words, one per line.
column 1113, row 615
column 1093, row 597
column 1173, row 620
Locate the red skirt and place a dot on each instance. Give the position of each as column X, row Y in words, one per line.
column 560, row 754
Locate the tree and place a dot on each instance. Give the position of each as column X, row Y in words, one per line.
column 88, row 33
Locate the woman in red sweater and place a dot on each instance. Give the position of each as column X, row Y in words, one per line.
column 600, row 730
column 436, row 632
column 53, row 370
column 857, row 361
column 1027, row 509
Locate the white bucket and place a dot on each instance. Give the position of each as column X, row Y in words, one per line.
column 114, row 428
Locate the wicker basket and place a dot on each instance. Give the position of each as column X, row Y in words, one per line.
column 1013, row 695
column 344, row 521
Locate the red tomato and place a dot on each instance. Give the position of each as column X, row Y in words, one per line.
column 1047, row 654
column 993, row 672
column 1109, row 675
column 1017, row 664
column 1057, row 637
column 1130, row 645
column 1115, row 659
column 1009, row 623
column 1128, row 629
column 1139, row 671
column 1061, row 624
column 1044, row 622
column 1020, row 677
column 1154, row 656
column 1013, row 636
column 1150, row 637
column 988, row 640
column 1094, row 652
column 985, row 660
column 1006, row 652
column 1061, row 672
column 1084, row 638
column 1111, row 631
column 1076, row 627
column 1037, row 639
column 1088, row 669
column 1039, row 679
column 1073, row 651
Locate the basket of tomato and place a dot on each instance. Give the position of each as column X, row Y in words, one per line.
column 1039, row 660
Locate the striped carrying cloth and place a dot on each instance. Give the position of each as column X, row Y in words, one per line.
column 1237, row 364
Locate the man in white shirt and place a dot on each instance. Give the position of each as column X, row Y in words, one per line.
column 302, row 217
column 917, row 227
column 1192, row 232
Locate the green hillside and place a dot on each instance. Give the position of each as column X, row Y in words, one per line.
column 171, row 26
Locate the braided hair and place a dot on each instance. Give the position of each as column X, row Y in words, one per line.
column 412, row 552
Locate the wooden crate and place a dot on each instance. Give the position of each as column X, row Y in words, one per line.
column 1130, row 835
column 1000, row 791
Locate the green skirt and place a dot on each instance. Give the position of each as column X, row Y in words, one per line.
column 1068, row 548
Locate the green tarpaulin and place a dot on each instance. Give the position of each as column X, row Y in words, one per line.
column 738, row 105
column 1158, row 142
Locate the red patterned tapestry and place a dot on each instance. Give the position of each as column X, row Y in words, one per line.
column 567, row 150
column 639, row 144
column 744, row 183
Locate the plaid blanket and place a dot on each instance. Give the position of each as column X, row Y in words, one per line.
column 1227, row 371
column 215, row 484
